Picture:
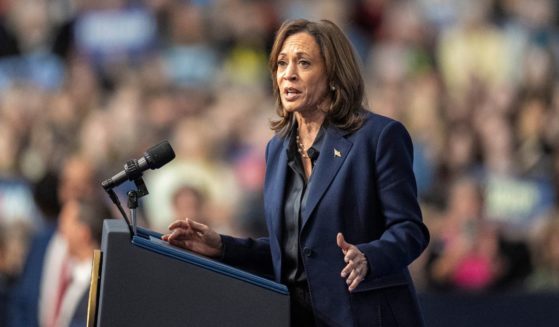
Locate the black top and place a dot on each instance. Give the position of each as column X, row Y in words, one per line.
column 295, row 198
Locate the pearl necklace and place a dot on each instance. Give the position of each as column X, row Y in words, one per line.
column 301, row 148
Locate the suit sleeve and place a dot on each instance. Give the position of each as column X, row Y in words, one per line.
column 405, row 236
column 248, row 254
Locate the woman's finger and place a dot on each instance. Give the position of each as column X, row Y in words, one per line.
column 342, row 244
column 355, row 283
column 179, row 224
column 183, row 244
column 181, row 234
column 347, row 269
column 353, row 254
column 198, row 226
column 352, row 276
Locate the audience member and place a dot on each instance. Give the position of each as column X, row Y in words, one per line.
column 546, row 255
column 82, row 223
column 465, row 254
column 34, row 297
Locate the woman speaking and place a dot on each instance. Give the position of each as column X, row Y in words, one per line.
column 340, row 195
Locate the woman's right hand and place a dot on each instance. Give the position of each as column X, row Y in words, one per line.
column 195, row 237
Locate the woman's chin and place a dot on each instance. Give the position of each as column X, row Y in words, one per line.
column 291, row 108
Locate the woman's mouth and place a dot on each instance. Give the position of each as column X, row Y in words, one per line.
column 291, row 94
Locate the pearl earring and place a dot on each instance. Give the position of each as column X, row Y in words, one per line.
column 332, row 87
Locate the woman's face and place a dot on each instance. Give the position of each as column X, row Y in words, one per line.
column 301, row 74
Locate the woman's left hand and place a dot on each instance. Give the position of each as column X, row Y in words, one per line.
column 357, row 266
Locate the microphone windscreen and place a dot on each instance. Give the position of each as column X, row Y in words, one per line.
column 159, row 155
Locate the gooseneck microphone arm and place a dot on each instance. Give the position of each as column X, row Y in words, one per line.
column 116, row 202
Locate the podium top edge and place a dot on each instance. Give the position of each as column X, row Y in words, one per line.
column 150, row 240
column 163, row 248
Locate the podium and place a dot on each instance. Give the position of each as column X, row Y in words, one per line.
column 144, row 281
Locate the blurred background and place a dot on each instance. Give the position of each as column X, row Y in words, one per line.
column 86, row 85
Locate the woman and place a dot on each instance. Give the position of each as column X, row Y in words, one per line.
column 339, row 196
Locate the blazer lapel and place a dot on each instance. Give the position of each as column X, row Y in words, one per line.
column 332, row 156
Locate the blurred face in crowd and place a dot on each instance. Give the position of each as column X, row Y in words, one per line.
column 301, row 74
column 188, row 202
column 76, row 180
column 466, row 200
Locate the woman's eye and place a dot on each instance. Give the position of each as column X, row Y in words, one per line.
column 304, row 63
column 282, row 63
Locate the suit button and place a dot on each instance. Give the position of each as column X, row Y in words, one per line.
column 307, row 252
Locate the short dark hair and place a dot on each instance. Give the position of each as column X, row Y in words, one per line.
column 342, row 69
column 45, row 194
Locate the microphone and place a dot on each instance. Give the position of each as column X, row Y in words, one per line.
column 154, row 158
column 313, row 155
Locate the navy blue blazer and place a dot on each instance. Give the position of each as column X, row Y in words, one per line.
column 23, row 307
column 364, row 187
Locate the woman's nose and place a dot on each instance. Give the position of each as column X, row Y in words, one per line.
column 290, row 73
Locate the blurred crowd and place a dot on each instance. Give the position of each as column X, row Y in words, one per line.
column 99, row 81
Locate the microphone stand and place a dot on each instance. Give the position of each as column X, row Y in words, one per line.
column 133, row 202
column 134, row 198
